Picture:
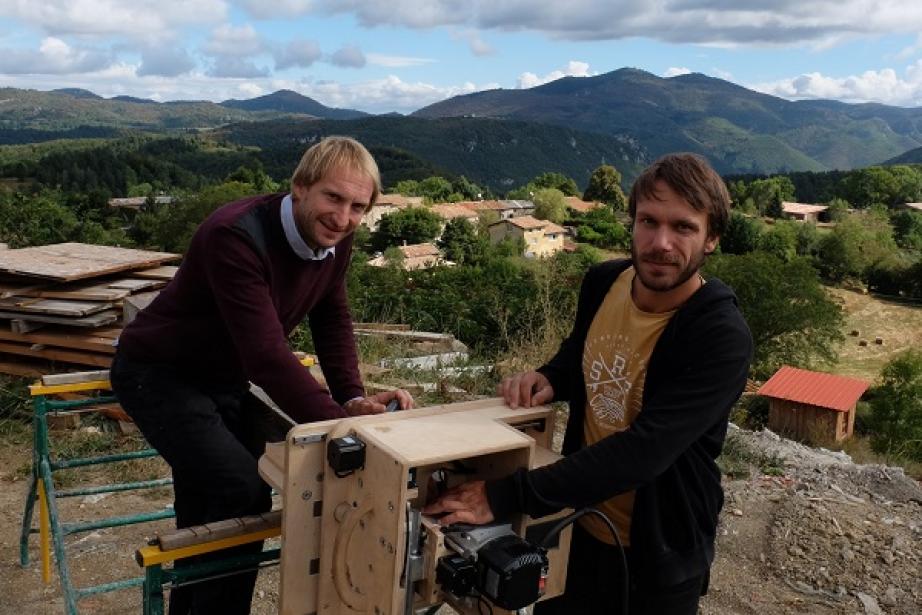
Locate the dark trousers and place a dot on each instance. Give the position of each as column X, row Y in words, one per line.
column 595, row 580
column 211, row 438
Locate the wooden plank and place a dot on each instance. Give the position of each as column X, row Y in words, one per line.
column 132, row 305
column 22, row 326
column 76, row 261
column 95, row 320
column 53, row 307
column 134, row 285
column 18, row 367
column 55, row 354
column 218, row 530
column 75, row 377
column 165, row 272
column 62, row 339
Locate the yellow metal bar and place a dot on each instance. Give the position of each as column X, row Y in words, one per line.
column 51, row 389
column 92, row 385
column 43, row 527
column 152, row 555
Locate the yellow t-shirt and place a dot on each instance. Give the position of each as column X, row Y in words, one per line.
column 618, row 347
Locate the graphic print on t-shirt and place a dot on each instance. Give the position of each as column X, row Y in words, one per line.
column 612, row 370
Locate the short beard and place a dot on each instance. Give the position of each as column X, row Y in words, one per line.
column 664, row 287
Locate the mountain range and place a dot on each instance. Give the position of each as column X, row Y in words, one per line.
column 740, row 130
column 626, row 117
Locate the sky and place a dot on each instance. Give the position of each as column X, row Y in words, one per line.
column 400, row 55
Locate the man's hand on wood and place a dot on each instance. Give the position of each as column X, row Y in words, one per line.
column 526, row 389
column 377, row 403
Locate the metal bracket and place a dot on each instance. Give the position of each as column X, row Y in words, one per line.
column 305, row 440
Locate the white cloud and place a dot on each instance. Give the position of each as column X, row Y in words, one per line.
column 300, row 53
column 574, row 68
column 165, row 61
column 721, row 22
column 910, row 50
column 674, row 71
column 383, row 95
column 236, row 68
column 348, row 56
column 137, row 18
column 883, row 86
column 475, row 42
column 275, row 9
column 388, row 61
column 53, row 57
column 234, row 41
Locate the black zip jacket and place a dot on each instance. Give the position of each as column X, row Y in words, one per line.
column 695, row 374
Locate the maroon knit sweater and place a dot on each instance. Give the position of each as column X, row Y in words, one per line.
column 240, row 291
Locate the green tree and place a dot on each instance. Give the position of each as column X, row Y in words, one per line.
column 170, row 227
column 460, row 242
column 838, row 210
column 793, row 319
column 411, row 225
column 605, row 186
column 34, row 220
column 550, row 205
column 895, row 420
column 556, row 180
column 856, row 244
column 781, row 240
column 742, row 234
column 907, row 229
column 768, row 194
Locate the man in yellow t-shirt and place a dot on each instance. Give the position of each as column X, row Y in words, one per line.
column 651, row 369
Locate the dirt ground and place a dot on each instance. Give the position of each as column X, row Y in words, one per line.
column 820, row 535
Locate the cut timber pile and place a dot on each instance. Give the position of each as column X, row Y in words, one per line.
column 65, row 303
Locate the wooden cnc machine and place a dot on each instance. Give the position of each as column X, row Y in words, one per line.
column 353, row 540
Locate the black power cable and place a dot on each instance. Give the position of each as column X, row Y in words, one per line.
column 569, row 520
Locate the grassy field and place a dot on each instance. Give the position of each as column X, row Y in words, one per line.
column 898, row 325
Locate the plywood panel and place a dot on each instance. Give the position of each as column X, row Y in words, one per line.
column 95, row 320
column 57, row 354
column 76, row 261
column 53, row 307
column 165, row 272
column 62, row 338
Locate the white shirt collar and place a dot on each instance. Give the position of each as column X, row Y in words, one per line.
column 294, row 237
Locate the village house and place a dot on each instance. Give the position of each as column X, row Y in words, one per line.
column 135, row 202
column 504, row 209
column 803, row 212
column 542, row 238
column 578, row 205
column 388, row 204
column 812, row 406
column 416, row 256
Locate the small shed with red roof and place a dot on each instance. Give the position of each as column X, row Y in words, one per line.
column 812, row 406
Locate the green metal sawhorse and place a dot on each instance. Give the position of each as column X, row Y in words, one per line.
column 204, row 539
column 52, row 531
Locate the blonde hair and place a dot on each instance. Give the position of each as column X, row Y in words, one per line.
column 335, row 152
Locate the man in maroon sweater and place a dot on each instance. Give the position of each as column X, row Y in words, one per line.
column 254, row 269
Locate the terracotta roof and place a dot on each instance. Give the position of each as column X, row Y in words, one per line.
column 449, row 211
column 814, row 388
column 553, row 228
column 802, row 208
column 577, row 204
column 496, row 205
column 419, row 249
column 398, row 200
column 528, row 223
column 916, row 206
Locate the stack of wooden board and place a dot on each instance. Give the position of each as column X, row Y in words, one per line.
column 63, row 303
